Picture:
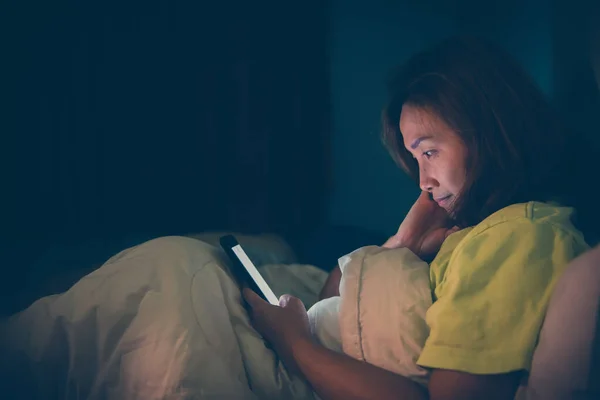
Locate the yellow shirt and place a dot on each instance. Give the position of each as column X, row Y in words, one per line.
column 491, row 285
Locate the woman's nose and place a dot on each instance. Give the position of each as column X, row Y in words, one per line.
column 426, row 182
column 426, row 187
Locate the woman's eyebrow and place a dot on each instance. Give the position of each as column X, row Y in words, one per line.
column 418, row 141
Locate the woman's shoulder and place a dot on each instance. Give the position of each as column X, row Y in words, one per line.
column 534, row 225
column 523, row 218
column 519, row 234
column 533, row 228
column 526, row 231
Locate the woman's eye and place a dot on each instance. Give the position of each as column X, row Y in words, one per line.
column 430, row 153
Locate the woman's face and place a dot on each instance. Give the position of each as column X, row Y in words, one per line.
column 440, row 153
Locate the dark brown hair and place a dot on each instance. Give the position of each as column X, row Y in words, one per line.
column 516, row 144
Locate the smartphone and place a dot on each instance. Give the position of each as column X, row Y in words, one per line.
column 245, row 270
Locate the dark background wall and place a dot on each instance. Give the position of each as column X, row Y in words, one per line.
column 126, row 120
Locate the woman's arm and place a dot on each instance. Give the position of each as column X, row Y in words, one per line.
column 337, row 376
column 422, row 231
column 332, row 284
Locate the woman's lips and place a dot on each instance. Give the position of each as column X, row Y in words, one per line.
column 442, row 201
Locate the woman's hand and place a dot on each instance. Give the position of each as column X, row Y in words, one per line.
column 424, row 228
column 283, row 326
column 423, row 231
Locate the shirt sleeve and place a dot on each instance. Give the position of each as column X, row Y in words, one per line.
column 490, row 309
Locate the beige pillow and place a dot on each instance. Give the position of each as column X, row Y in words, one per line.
column 385, row 294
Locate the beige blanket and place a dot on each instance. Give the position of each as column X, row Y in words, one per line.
column 163, row 320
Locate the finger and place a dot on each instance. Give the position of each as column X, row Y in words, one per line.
column 452, row 230
column 425, row 196
column 252, row 298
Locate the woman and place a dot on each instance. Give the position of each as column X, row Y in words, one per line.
column 488, row 154
column 165, row 320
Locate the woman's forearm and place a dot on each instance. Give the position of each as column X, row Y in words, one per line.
column 337, row 376
column 332, row 285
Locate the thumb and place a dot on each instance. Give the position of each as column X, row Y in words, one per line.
column 284, row 300
column 289, row 301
